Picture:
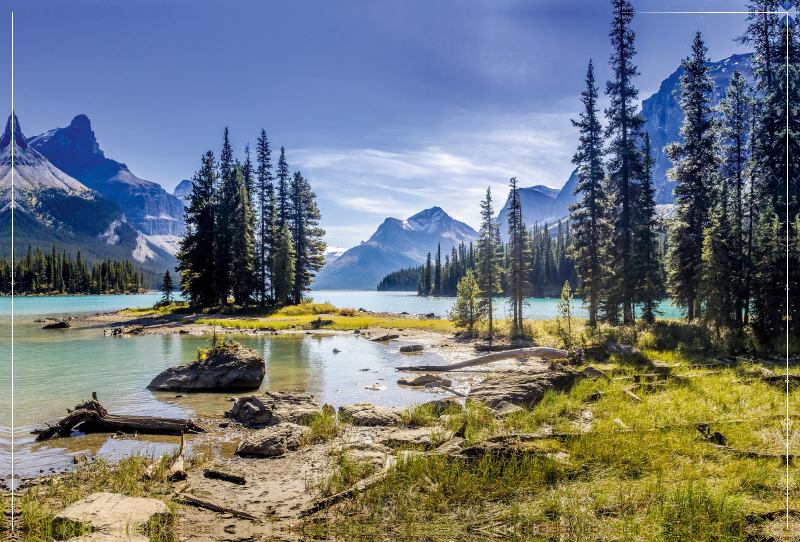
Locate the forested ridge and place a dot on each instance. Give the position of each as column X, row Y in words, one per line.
column 56, row 272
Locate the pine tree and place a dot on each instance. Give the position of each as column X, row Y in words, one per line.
column 166, row 288
column 695, row 161
column 467, row 310
column 223, row 225
column 437, row 274
column 242, row 247
column 283, row 279
column 589, row 225
column 196, row 255
column 735, row 117
column 428, row 275
column 267, row 219
column 488, row 259
column 565, row 311
column 715, row 281
column 646, row 263
column 623, row 167
column 284, row 206
column 307, row 236
column 518, row 257
column 769, row 284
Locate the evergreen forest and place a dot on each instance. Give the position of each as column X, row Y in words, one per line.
column 57, row 272
column 251, row 234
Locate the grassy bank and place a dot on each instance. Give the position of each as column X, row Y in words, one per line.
column 621, row 469
column 36, row 506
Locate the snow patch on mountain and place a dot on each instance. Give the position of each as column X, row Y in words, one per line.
column 167, row 243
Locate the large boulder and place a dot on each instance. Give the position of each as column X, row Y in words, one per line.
column 521, row 390
column 232, row 369
column 369, row 414
column 58, row 325
column 272, row 441
column 273, row 407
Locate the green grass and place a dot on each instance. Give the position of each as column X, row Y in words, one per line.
column 38, row 505
column 280, row 322
column 660, row 481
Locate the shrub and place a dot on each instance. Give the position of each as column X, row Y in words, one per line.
column 347, row 312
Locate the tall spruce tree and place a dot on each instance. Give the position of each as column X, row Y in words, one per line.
column 242, row 248
column 166, row 288
column 715, row 280
column 428, row 271
column 307, row 236
column 590, row 228
column 222, row 217
column 694, row 162
column 519, row 255
column 196, row 254
column 488, row 259
column 646, row 263
column 284, row 205
column 437, row 272
column 267, row 219
column 735, row 118
column 624, row 166
column 283, row 279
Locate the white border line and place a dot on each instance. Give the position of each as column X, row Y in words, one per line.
column 13, row 141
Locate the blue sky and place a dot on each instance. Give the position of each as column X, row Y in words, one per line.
column 388, row 107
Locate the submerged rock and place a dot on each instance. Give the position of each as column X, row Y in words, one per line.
column 272, row 441
column 273, row 407
column 419, row 380
column 57, row 325
column 369, row 414
column 521, row 390
column 234, row 369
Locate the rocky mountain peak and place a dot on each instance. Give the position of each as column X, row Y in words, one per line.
column 18, row 137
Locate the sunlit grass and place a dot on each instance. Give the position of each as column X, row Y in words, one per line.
column 277, row 322
column 38, row 505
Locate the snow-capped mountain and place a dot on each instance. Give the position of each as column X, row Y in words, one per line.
column 182, row 191
column 50, row 206
column 147, row 206
column 394, row 245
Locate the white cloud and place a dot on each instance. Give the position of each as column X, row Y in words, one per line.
column 450, row 167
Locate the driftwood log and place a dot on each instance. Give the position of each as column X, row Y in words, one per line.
column 538, row 352
column 216, row 507
column 93, row 417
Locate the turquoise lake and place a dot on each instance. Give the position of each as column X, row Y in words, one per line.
column 55, row 369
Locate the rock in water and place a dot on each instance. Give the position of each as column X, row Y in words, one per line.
column 412, row 348
column 273, row 407
column 58, row 325
column 112, row 512
column 519, row 390
column 236, row 369
column 272, row 441
column 369, row 414
column 419, row 380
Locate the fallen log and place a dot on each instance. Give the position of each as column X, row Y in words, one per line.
column 211, row 473
column 753, row 453
column 632, row 395
column 93, row 417
column 216, row 507
column 538, row 352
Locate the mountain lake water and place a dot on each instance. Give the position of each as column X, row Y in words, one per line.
column 57, row 369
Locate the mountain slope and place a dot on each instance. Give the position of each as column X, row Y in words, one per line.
column 394, row 245
column 664, row 116
column 538, row 206
column 75, row 151
column 50, row 206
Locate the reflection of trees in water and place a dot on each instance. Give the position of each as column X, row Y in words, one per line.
column 293, row 362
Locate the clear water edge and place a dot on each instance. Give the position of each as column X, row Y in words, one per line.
column 56, row 369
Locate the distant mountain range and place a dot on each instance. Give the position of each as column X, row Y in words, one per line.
column 75, row 151
column 52, row 206
column 394, row 245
